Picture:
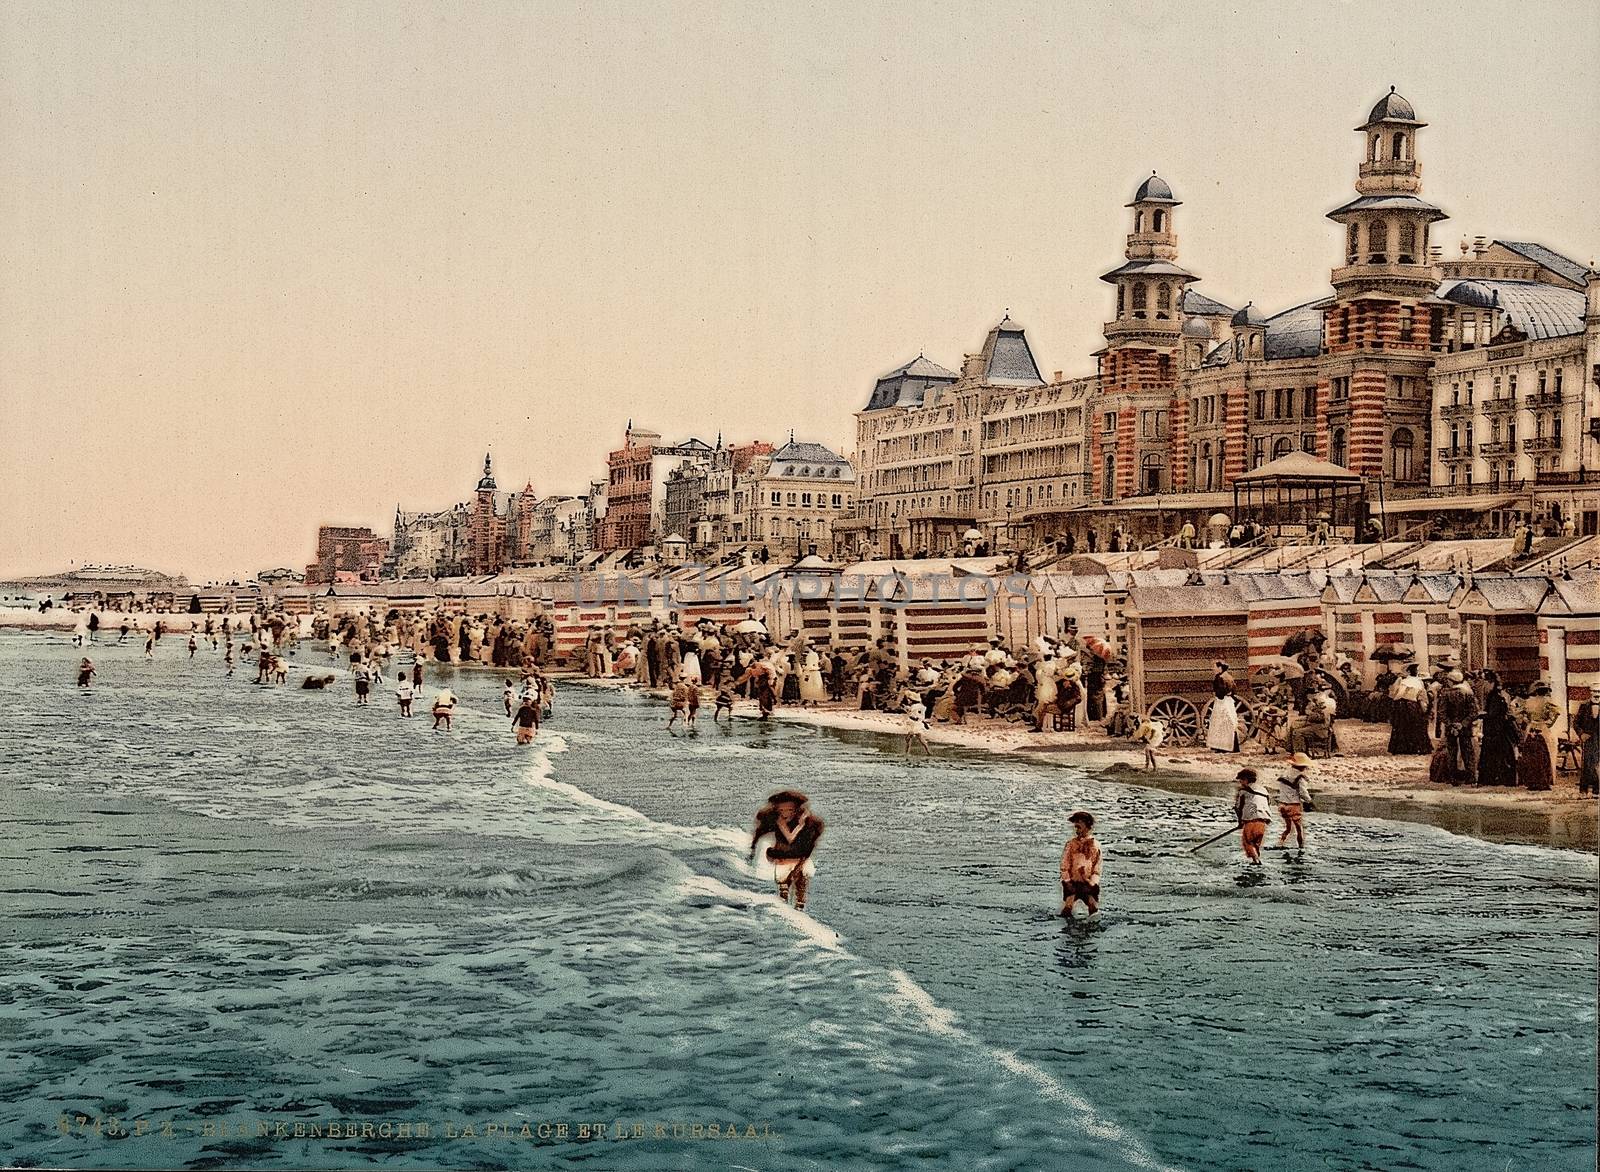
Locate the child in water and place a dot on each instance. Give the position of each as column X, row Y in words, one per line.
column 1080, row 866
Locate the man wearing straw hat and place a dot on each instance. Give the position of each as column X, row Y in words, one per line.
column 1294, row 799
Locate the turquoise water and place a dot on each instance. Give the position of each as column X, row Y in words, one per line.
column 228, row 908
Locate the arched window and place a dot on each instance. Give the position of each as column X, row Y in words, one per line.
column 1282, row 446
column 1372, row 149
column 1336, row 447
column 1408, row 243
column 1352, row 246
column 1206, row 483
column 1138, row 221
column 1401, row 452
column 1139, row 296
column 1161, row 220
column 1120, row 300
column 1163, row 297
column 1151, row 465
column 1399, row 144
column 1378, row 242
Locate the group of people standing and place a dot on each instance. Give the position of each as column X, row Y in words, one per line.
column 1474, row 729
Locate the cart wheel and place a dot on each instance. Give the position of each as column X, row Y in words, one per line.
column 1247, row 718
column 1183, row 719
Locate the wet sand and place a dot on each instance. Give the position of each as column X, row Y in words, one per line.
column 1368, row 784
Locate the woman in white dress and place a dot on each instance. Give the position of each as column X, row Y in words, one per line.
column 1222, row 730
column 691, row 665
column 812, row 689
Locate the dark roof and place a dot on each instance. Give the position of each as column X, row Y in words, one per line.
column 1196, row 302
column 1297, row 332
column 1392, row 108
column 1195, row 327
column 1389, row 203
column 807, row 453
column 1549, row 258
column 907, row 385
column 1008, row 357
column 1537, row 309
column 1154, row 190
column 1294, row 333
column 1147, row 268
column 1249, row 316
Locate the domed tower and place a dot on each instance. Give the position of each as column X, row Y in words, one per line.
column 1385, row 321
column 1387, row 225
column 1144, row 342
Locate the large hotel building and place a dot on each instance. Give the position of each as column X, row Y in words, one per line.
column 1464, row 390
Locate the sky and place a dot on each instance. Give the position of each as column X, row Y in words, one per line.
column 265, row 266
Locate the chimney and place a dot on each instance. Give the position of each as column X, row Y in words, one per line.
column 1480, row 245
column 1058, row 376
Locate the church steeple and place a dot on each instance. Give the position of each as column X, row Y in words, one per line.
column 487, row 483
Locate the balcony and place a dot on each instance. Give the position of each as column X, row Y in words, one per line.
column 1540, row 444
column 1455, row 455
column 1496, row 448
column 1457, row 411
column 1545, row 399
column 1501, row 406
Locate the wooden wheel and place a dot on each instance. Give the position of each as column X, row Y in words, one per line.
column 1182, row 717
column 1247, row 717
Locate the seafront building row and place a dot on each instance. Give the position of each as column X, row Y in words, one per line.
column 1458, row 391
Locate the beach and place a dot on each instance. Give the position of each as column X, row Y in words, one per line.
column 1362, row 780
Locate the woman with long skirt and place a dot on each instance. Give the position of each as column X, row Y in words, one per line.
column 1497, row 757
column 1408, row 716
column 1535, row 763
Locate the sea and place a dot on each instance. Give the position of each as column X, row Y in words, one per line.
column 266, row 927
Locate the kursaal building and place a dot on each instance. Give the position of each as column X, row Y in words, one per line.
column 1459, row 388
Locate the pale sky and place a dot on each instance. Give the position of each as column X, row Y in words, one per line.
column 265, row 266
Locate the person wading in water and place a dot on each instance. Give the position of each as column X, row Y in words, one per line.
column 795, row 832
column 1253, row 808
column 1080, row 866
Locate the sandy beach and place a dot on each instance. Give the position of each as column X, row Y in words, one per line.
column 1363, row 780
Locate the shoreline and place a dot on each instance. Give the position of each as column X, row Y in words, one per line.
column 1360, row 786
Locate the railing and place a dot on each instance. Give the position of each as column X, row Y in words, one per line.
column 1542, row 443
column 1450, row 455
column 1457, row 411
column 1500, row 406
column 1545, row 399
column 1496, row 448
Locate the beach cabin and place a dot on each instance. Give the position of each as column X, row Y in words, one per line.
column 1569, row 642
column 1499, row 619
column 1053, row 604
column 1174, row 635
column 1278, row 607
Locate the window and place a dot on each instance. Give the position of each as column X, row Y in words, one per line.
column 1399, row 151
column 1152, row 472
column 777, row 498
column 837, row 500
column 1558, row 381
column 1206, row 484
column 1139, row 295
column 1281, row 447
column 1405, row 310
column 1258, row 451
column 1408, row 245
column 1378, row 242
column 1336, row 451
column 1401, row 451
column 791, row 500
column 1352, row 246
column 1161, row 220
column 1311, row 403
column 1120, row 308
column 1308, row 442
column 805, row 499
column 1163, row 295
column 1261, row 404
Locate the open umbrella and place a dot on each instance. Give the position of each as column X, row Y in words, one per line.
column 1099, row 648
column 1292, row 668
column 972, row 535
column 1392, row 651
column 750, row 627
